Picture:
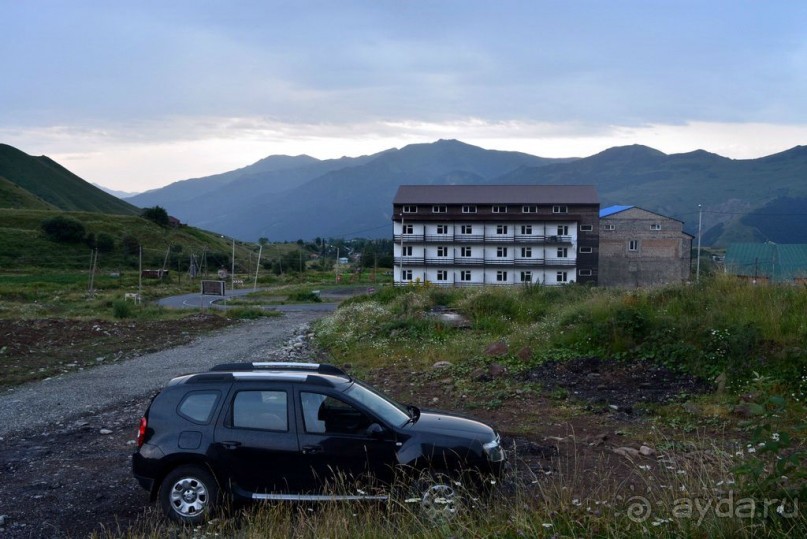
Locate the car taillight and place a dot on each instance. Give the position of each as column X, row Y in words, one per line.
column 141, row 432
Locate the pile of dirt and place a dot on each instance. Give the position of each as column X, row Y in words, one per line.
column 623, row 384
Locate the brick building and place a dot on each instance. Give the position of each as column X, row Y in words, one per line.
column 642, row 248
column 465, row 235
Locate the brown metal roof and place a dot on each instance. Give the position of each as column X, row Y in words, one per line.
column 496, row 194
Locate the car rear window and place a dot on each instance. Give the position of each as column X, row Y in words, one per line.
column 198, row 406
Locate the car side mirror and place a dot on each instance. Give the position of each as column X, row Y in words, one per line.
column 375, row 430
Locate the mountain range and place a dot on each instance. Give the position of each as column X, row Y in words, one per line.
column 285, row 198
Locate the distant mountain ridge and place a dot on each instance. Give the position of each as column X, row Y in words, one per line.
column 285, row 198
column 352, row 196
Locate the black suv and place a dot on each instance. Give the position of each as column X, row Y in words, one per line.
column 299, row 431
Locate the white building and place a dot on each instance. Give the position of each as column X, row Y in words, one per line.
column 465, row 235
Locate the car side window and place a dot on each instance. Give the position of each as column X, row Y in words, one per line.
column 265, row 410
column 198, row 406
column 324, row 414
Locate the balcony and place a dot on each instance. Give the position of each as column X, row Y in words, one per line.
column 495, row 239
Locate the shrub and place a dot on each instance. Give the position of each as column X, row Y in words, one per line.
column 63, row 229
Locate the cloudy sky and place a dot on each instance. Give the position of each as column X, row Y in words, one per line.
column 133, row 95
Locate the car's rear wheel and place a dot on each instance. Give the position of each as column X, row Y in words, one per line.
column 189, row 494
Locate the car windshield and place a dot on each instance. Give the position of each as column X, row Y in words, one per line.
column 389, row 410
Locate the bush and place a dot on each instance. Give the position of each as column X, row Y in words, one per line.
column 122, row 309
column 63, row 229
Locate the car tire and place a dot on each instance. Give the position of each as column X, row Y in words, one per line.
column 438, row 495
column 189, row 494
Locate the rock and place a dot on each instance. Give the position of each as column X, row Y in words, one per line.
column 627, row 452
column 721, row 382
column 598, row 440
column 747, row 410
column 613, row 407
column 480, row 375
column 525, row 354
column 104, row 431
column 647, row 451
column 442, row 365
column 496, row 349
column 692, row 408
column 497, row 371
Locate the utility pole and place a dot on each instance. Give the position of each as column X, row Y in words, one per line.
column 698, row 265
column 257, row 267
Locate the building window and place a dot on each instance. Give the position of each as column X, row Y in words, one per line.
column 526, row 252
column 501, row 276
column 406, row 275
column 467, row 229
column 560, row 209
column 407, row 250
column 633, row 245
column 410, row 209
column 586, row 228
column 442, row 251
column 563, row 230
column 465, row 251
column 563, row 277
column 442, row 275
column 439, row 209
column 499, row 209
column 585, row 273
column 586, row 250
column 526, row 276
column 608, row 226
column 501, row 252
column 469, row 209
column 465, row 275
column 529, row 209
column 501, row 229
column 442, row 229
column 408, row 229
column 655, row 226
column 563, row 252
column 526, row 230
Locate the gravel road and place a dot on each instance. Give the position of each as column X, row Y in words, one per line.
column 65, row 442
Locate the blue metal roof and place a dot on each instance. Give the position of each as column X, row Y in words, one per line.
column 610, row 210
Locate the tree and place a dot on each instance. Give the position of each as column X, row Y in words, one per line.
column 130, row 245
column 263, row 241
column 157, row 215
column 105, row 243
column 63, row 229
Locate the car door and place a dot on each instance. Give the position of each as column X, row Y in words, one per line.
column 255, row 440
column 345, row 449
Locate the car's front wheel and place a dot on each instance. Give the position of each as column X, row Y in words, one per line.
column 189, row 494
column 438, row 495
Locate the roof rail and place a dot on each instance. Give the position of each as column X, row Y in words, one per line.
column 280, row 366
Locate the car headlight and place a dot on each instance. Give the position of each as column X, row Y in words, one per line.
column 493, row 450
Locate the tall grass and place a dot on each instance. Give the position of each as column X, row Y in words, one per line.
column 721, row 325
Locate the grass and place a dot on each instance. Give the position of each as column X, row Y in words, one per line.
column 726, row 461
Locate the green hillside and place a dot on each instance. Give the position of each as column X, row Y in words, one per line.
column 118, row 238
column 14, row 196
column 47, row 182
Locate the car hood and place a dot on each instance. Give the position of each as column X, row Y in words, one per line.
column 447, row 424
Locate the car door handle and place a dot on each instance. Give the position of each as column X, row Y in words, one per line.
column 312, row 449
column 230, row 444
